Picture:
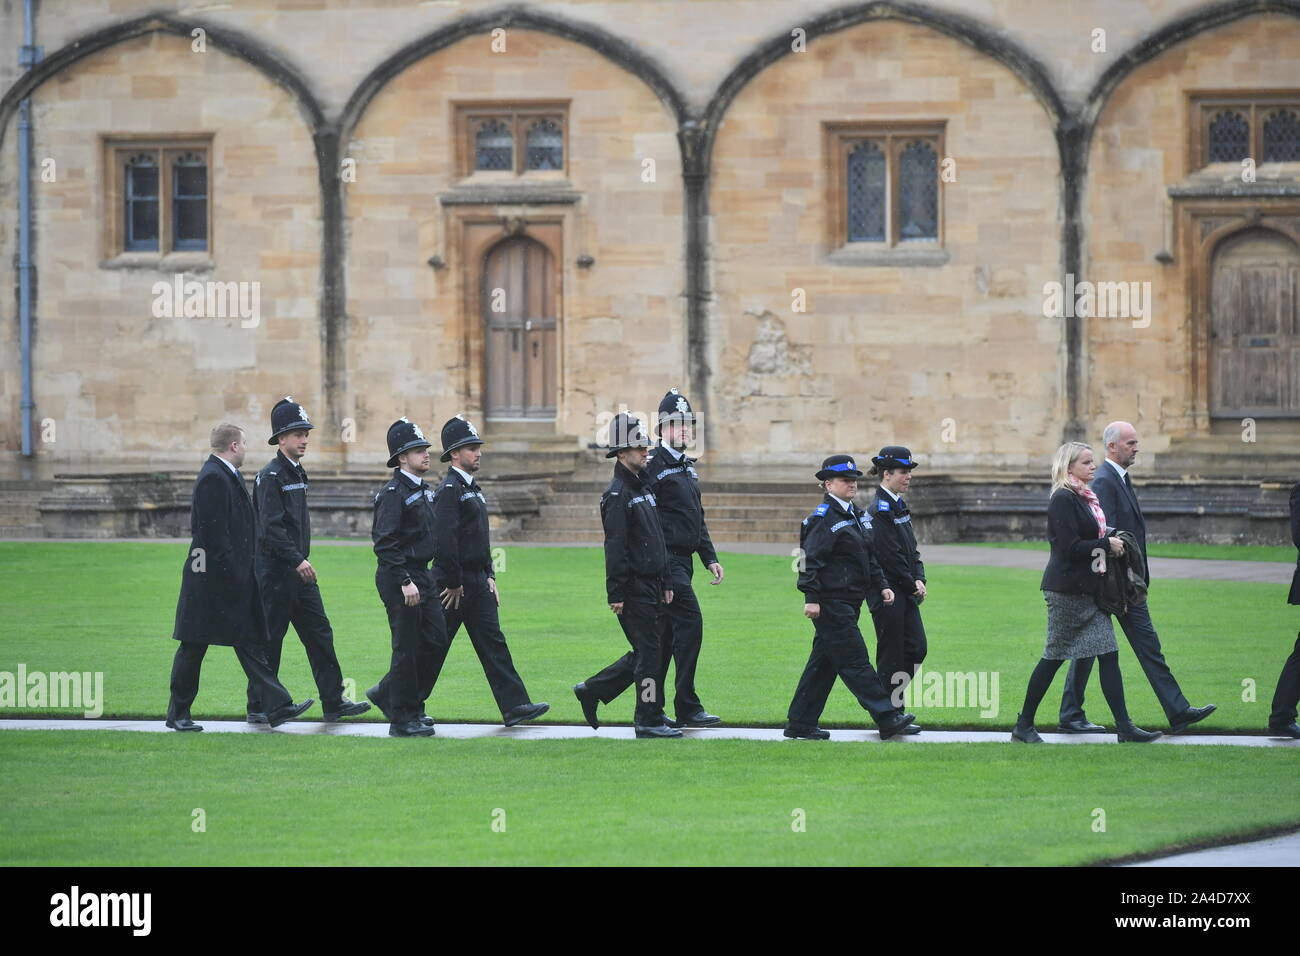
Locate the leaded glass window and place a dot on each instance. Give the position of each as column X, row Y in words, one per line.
column 545, row 146
column 141, row 203
column 190, row 201
column 866, row 193
column 918, row 192
column 494, row 146
column 1229, row 137
column 1282, row 137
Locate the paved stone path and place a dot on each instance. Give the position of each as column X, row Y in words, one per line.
column 1275, row 851
column 370, row 728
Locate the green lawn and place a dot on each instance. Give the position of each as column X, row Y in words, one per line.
column 79, row 798
column 1213, row 552
column 109, row 608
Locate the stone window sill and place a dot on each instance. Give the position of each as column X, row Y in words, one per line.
column 907, row 255
column 172, row 262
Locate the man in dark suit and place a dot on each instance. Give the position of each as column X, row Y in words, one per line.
column 1282, row 721
column 220, row 602
column 1114, row 490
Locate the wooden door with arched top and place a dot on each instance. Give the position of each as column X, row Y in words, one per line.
column 1254, row 327
column 519, row 306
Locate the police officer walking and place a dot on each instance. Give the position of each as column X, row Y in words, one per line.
column 671, row 476
column 285, row 576
column 219, row 601
column 837, row 570
column 464, row 577
column 636, row 584
column 403, row 537
column 900, row 635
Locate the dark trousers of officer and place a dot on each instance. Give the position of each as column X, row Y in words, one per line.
column 641, row 620
column 1287, row 695
column 478, row 612
column 288, row 599
column 838, row 650
column 417, row 632
column 1141, row 634
column 252, row 658
column 900, row 642
column 680, row 636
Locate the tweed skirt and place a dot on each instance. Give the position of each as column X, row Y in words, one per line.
column 1076, row 627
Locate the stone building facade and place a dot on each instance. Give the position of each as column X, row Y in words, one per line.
column 833, row 225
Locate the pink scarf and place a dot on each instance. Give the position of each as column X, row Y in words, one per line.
column 1090, row 496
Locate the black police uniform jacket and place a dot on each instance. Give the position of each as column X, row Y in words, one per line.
column 895, row 543
column 280, row 506
column 635, row 557
column 461, row 540
column 676, row 487
column 402, row 532
column 220, row 604
column 839, row 561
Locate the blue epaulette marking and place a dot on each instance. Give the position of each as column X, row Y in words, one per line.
column 821, row 509
column 883, row 506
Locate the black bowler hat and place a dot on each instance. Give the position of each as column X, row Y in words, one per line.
column 675, row 408
column 838, row 466
column 625, row 432
column 457, row 433
column 404, row 435
column 893, row 457
column 287, row 416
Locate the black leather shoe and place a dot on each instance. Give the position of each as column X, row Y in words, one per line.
column 255, row 717
column 346, row 708
column 1131, row 733
column 184, row 723
column 702, row 719
column 412, row 728
column 658, row 730
column 1190, row 716
column 372, row 695
column 1285, row 730
column 1083, row 726
column 906, row 724
column 588, row 701
column 426, row 720
column 288, row 712
column 525, row 712
column 1026, row 735
column 806, row 733
column 669, row 722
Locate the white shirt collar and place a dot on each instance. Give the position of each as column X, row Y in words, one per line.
column 843, row 504
column 1122, row 472
column 233, row 469
column 677, row 455
column 891, row 494
column 469, row 479
column 411, row 476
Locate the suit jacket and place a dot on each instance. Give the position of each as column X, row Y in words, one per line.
column 1073, row 533
column 1121, row 506
column 1294, row 597
column 219, row 601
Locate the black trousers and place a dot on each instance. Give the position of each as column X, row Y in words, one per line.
column 478, row 612
column 641, row 620
column 1142, row 637
column 185, row 677
column 838, row 650
column 900, row 642
column 287, row 599
column 680, row 635
column 417, row 633
column 1287, row 695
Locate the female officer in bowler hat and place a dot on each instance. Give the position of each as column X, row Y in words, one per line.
column 838, row 569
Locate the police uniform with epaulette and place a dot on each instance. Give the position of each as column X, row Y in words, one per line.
column 284, row 544
column 671, row 476
column 900, row 634
column 463, row 560
column 636, row 576
column 403, row 535
column 838, row 571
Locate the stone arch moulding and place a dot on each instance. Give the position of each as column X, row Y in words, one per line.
column 1203, row 227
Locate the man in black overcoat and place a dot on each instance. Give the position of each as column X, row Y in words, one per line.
column 219, row 601
column 1282, row 720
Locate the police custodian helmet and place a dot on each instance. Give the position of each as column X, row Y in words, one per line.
column 675, row 408
column 287, row 416
column 625, row 432
column 838, row 466
column 457, row 433
column 892, row 458
column 404, row 435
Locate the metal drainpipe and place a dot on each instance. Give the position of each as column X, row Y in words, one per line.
column 28, row 57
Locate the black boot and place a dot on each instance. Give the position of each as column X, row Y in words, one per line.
column 1130, row 733
column 1025, row 732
